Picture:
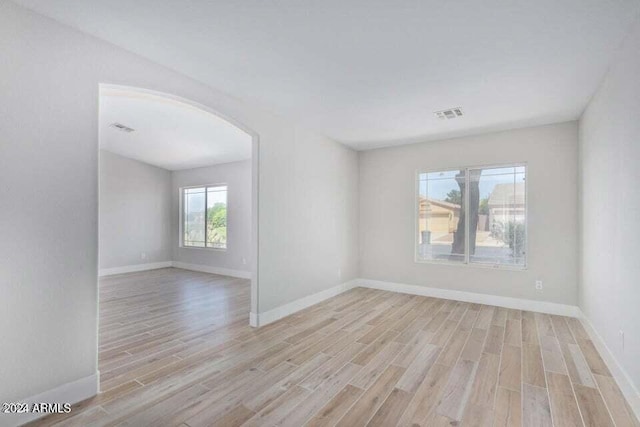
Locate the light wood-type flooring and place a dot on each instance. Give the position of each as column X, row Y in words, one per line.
column 176, row 350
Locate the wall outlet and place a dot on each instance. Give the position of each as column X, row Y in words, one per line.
column 339, row 275
column 143, row 255
column 621, row 332
column 539, row 286
column 244, row 261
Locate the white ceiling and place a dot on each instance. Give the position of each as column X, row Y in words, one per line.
column 167, row 133
column 372, row 72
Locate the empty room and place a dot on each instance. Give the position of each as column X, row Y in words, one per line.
column 336, row 213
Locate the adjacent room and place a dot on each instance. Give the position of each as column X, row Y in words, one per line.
column 338, row 213
column 175, row 191
column 175, row 186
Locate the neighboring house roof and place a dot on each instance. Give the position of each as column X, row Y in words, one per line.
column 440, row 203
column 507, row 194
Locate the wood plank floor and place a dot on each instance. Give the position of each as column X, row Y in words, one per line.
column 176, row 350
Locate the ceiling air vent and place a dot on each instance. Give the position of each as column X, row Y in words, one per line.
column 122, row 127
column 451, row 113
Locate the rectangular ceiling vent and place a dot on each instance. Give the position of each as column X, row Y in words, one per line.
column 451, row 113
column 122, row 127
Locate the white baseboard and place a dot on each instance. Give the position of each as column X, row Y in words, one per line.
column 507, row 302
column 213, row 270
column 73, row 392
column 186, row 266
column 628, row 389
column 253, row 319
column 133, row 268
column 261, row 319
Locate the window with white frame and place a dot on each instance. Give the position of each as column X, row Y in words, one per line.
column 473, row 215
column 204, row 217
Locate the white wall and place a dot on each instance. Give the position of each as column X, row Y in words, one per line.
column 49, row 194
column 237, row 177
column 316, row 246
column 610, row 208
column 135, row 216
column 387, row 212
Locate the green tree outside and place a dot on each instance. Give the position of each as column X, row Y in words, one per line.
column 217, row 225
column 454, row 196
column 484, row 206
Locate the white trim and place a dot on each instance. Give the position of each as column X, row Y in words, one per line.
column 278, row 313
column 133, row 268
column 507, row 302
column 253, row 319
column 213, row 270
column 183, row 265
column 261, row 319
column 622, row 378
column 504, row 267
column 73, row 392
column 200, row 248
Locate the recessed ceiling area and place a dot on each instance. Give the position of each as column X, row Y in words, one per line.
column 370, row 73
column 167, row 133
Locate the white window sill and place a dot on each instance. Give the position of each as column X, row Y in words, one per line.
column 474, row 265
column 203, row 248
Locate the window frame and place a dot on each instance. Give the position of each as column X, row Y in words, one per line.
column 466, row 263
column 181, row 191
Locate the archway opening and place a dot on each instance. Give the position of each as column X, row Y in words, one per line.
column 178, row 229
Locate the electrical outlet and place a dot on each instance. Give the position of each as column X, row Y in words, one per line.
column 244, row 261
column 143, row 255
column 339, row 274
column 621, row 332
column 539, row 286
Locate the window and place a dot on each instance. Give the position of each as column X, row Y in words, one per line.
column 492, row 231
column 204, row 217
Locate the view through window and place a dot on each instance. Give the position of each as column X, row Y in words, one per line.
column 493, row 228
column 204, row 217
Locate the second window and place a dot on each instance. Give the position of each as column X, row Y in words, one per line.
column 204, row 217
